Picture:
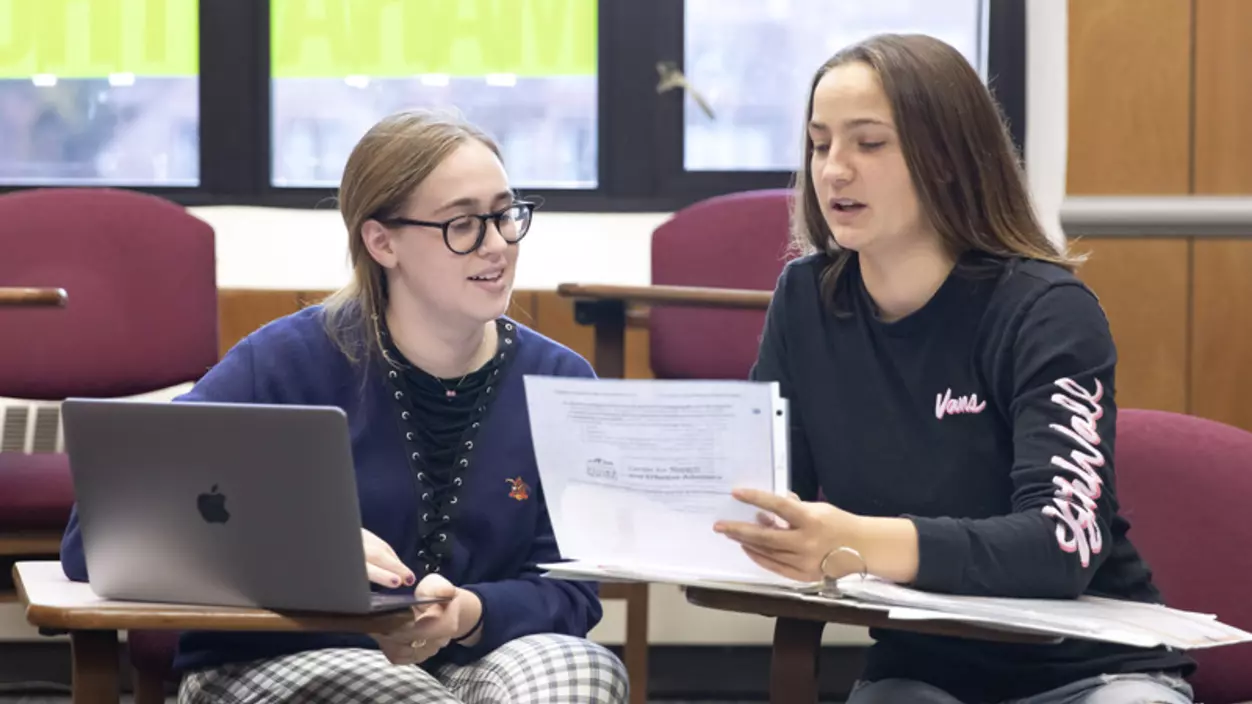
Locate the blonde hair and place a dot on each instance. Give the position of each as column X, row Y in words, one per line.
column 383, row 170
column 959, row 152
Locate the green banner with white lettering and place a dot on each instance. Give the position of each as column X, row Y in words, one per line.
column 400, row 38
column 96, row 38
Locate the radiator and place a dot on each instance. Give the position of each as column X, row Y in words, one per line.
column 35, row 426
column 27, row 426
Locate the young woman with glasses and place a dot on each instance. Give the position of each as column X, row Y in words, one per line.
column 418, row 351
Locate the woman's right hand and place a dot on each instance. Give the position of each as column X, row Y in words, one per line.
column 382, row 565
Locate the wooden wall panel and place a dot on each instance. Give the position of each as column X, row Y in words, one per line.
column 1222, row 353
column 1129, row 97
column 1223, row 97
column 241, row 311
column 1142, row 284
column 555, row 318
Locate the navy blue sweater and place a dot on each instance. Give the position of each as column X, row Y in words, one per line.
column 501, row 532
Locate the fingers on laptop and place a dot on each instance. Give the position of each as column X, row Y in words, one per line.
column 382, row 565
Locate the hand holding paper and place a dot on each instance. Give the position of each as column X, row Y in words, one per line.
column 636, row 472
column 888, row 546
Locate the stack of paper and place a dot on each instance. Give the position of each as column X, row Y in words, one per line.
column 1094, row 618
column 636, row 472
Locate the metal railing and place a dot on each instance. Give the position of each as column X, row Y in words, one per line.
column 1139, row 216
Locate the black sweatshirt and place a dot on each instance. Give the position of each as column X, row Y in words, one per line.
column 986, row 417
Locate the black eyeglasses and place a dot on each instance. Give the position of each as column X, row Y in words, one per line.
column 464, row 234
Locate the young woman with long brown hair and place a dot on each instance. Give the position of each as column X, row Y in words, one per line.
column 952, row 389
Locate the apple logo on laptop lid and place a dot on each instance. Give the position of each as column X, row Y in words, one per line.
column 212, row 506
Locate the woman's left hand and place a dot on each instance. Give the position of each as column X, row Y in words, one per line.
column 796, row 550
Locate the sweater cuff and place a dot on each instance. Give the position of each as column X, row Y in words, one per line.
column 942, row 545
column 493, row 624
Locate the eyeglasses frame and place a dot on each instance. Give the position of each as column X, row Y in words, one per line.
column 482, row 224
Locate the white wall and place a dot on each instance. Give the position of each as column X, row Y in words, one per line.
column 303, row 250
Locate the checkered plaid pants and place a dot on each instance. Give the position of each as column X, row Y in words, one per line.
column 538, row 669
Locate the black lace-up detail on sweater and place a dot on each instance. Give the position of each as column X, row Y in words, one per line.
column 440, row 419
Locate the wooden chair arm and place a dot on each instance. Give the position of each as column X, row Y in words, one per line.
column 13, row 297
column 695, row 296
column 798, row 634
column 44, row 543
column 54, row 602
column 608, row 309
column 784, row 607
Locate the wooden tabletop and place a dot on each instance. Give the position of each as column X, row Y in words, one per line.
column 53, row 601
column 833, row 612
column 697, row 296
column 15, row 297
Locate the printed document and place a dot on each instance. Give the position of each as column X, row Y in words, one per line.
column 636, row 472
column 1097, row 618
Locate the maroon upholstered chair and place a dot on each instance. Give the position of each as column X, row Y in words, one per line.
column 141, row 274
column 738, row 241
column 1184, row 484
column 714, row 266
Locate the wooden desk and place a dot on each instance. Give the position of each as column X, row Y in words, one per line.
column 798, row 634
column 52, row 601
column 12, row 297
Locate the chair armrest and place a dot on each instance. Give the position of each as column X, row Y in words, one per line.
column 788, row 608
column 695, row 296
column 605, row 307
column 54, row 602
column 11, row 297
column 30, row 543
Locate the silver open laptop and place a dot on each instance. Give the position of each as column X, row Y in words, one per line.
column 220, row 504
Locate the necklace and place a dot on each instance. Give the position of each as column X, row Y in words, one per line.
column 451, row 393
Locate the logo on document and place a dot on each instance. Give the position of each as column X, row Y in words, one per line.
column 601, row 469
column 212, row 506
column 519, row 490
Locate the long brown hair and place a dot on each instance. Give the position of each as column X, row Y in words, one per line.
column 384, row 168
column 959, row 151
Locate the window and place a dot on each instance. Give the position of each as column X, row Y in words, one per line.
column 99, row 92
column 524, row 70
column 751, row 62
column 259, row 102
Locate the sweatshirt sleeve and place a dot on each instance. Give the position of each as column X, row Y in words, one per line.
column 230, row 380
column 771, row 365
column 531, row 603
column 1056, row 390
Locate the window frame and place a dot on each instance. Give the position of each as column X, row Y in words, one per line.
column 640, row 133
column 1006, row 75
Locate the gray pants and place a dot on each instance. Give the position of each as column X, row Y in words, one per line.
column 1107, row 689
column 539, row 669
